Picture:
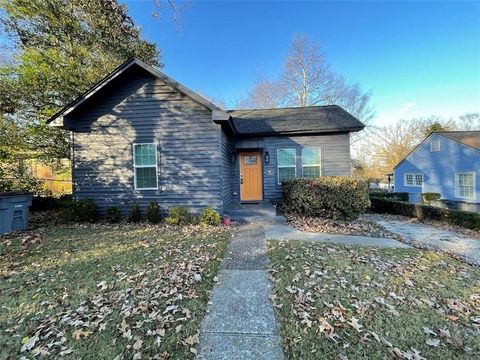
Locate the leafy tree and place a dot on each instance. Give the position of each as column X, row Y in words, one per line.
column 60, row 49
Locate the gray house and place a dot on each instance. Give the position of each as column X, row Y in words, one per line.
column 139, row 135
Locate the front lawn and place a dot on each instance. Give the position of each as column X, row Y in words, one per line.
column 105, row 292
column 346, row 302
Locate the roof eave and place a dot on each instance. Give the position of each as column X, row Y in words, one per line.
column 303, row 132
column 57, row 119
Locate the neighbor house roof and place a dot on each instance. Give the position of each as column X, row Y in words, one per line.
column 217, row 113
column 311, row 119
column 468, row 138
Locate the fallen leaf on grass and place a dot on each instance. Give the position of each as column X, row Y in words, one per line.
column 77, row 334
column 192, row 340
column 138, row 344
column 409, row 282
column 432, row 342
column 102, row 285
column 429, row 331
column 354, row 323
column 29, row 343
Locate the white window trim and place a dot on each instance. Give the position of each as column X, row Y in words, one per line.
column 413, row 176
column 135, row 166
column 286, row 166
column 431, row 145
column 456, row 185
column 312, row 165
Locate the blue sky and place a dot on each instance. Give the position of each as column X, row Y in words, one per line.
column 417, row 58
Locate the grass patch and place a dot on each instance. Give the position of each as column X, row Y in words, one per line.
column 348, row 302
column 100, row 291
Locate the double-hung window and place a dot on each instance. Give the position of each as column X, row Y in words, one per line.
column 145, row 166
column 311, row 165
column 286, row 167
column 413, row 180
column 465, row 185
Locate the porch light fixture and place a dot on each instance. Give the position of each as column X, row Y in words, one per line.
column 267, row 157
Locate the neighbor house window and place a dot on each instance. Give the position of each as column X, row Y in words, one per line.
column 286, row 164
column 413, row 180
column 311, row 165
column 435, row 145
column 465, row 185
column 145, row 164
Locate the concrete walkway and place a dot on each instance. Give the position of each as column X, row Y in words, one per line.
column 241, row 322
column 287, row 232
column 432, row 237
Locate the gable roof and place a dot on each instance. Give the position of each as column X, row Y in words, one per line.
column 467, row 138
column 311, row 119
column 293, row 120
column 217, row 113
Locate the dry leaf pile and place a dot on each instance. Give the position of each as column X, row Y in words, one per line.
column 358, row 226
column 363, row 302
column 139, row 304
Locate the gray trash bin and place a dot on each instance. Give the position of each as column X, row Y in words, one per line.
column 14, row 211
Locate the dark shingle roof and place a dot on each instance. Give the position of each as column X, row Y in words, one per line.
column 312, row 119
column 470, row 138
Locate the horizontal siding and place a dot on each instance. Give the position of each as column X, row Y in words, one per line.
column 137, row 109
column 438, row 169
column 335, row 157
column 226, row 170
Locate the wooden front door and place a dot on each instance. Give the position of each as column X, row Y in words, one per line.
column 251, row 176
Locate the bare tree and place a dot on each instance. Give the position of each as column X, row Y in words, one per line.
column 306, row 80
column 469, row 121
column 386, row 146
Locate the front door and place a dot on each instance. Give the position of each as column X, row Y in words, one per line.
column 251, row 176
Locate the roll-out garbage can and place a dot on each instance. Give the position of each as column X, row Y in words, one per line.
column 14, row 211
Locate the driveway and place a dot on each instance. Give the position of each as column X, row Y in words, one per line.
column 431, row 237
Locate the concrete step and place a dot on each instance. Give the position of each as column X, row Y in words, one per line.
column 261, row 220
column 250, row 212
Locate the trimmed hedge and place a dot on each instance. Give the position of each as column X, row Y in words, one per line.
column 467, row 219
column 400, row 196
column 328, row 197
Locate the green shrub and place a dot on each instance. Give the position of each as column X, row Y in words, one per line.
column 152, row 213
column 210, row 216
column 83, row 210
column 113, row 215
column 400, row 196
column 329, row 197
column 427, row 198
column 44, row 203
column 179, row 215
column 467, row 219
column 135, row 214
